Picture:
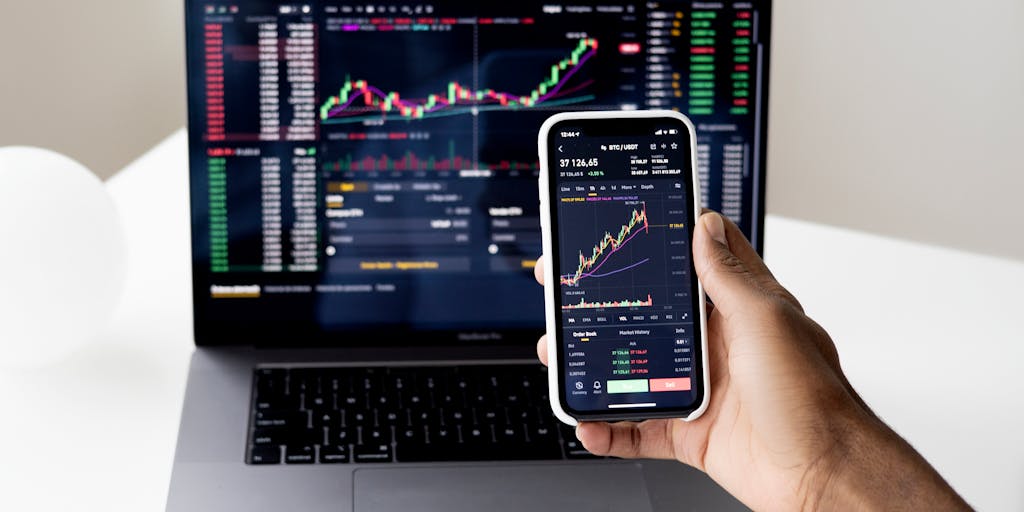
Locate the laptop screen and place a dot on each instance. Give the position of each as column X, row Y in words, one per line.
column 372, row 167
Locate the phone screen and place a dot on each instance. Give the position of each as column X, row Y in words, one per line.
column 622, row 211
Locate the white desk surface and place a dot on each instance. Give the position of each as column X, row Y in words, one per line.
column 930, row 336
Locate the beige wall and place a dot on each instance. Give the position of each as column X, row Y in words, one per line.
column 98, row 80
column 899, row 117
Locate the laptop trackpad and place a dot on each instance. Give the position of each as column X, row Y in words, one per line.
column 537, row 488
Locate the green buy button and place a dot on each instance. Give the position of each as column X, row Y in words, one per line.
column 627, row 386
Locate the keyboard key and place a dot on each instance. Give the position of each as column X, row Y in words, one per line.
column 454, row 417
column 266, row 455
column 542, row 434
column 271, row 381
column 487, row 416
column 299, row 454
column 269, row 436
column 575, row 450
column 573, row 447
column 279, row 402
column 319, row 402
column 372, row 453
column 412, row 435
column 477, row 435
column 443, row 435
column 327, row 418
column 364, row 419
column 281, row 419
column 375, row 435
column 341, row 435
column 334, row 454
column 510, row 435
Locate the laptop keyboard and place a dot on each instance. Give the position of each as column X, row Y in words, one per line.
column 405, row 414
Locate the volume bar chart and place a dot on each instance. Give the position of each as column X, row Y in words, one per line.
column 411, row 161
column 408, row 162
column 625, row 303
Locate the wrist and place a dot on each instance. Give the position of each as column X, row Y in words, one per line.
column 827, row 481
column 873, row 468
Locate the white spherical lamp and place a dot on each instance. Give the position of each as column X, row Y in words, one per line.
column 61, row 256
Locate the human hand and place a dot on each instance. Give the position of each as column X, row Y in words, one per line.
column 785, row 430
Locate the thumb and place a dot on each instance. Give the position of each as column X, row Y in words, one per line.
column 730, row 282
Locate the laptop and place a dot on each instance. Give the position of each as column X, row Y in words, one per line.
column 365, row 223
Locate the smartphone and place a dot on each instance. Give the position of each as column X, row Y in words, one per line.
column 626, row 322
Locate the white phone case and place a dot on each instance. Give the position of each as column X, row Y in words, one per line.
column 551, row 284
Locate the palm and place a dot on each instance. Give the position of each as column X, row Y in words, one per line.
column 723, row 442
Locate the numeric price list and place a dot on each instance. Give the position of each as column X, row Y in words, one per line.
column 286, row 237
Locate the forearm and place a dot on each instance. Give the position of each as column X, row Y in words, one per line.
column 875, row 469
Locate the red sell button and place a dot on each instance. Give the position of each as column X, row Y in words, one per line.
column 663, row 385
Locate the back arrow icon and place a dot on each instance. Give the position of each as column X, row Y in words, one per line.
column 559, row 149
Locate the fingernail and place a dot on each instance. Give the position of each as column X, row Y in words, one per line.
column 578, row 432
column 716, row 228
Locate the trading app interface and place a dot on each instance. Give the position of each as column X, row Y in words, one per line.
column 366, row 164
column 624, row 211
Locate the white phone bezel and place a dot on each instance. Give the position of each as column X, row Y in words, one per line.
column 550, row 284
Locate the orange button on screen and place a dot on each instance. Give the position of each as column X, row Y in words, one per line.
column 663, row 385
